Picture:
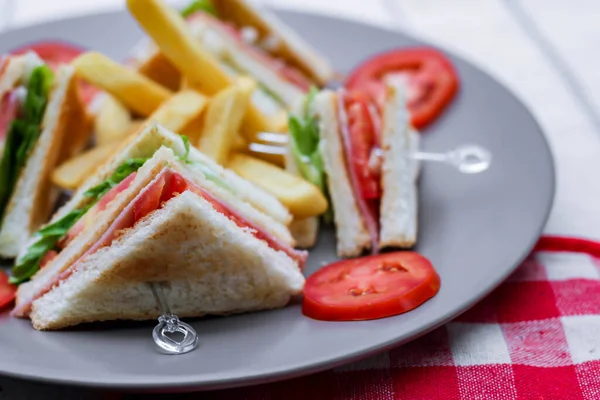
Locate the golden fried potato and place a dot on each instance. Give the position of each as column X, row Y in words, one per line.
column 112, row 121
column 137, row 92
column 72, row 173
column 301, row 197
column 223, row 119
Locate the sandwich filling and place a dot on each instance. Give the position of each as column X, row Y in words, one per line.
column 359, row 130
column 167, row 185
column 21, row 113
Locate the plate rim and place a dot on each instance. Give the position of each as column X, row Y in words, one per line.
column 188, row 382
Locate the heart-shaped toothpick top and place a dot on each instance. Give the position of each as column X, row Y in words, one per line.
column 169, row 324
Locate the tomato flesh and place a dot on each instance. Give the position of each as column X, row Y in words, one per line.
column 55, row 53
column 7, row 291
column 429, row 77
column 363, row 138
column 149, row 200
column 370, row 287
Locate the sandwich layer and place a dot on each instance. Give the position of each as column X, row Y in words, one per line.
column 32, row 199
column 399, row 174
column 230, row 49
column 281, row 41
column 352, row 234
column 211, row 266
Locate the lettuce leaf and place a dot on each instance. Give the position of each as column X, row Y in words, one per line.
column 130, row 166
column 47, row 240
column 24, row 132
column 199, row 5
column 304, row 132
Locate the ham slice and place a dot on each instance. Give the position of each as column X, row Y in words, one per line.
column 165, row 186
column 368, row 209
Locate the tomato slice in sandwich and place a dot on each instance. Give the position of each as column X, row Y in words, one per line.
column 429, row 76
column 7, row 291
column 364, row 137
column 55, row 53
column 370, row 287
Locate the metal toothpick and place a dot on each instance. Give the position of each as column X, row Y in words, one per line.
column 170, row 323
column 467, row 159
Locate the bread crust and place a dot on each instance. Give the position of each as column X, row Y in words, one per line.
column 399, row 200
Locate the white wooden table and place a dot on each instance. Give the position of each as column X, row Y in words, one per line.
column 544, row 50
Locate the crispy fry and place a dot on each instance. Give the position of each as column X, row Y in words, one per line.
column 180, row 110
column 302, row 198
column 72, row 173
column 112, row 121
column 239, row 143
column 267, row 153
column 170, row 32
column 159, row 69
column 201, row 70
column 223, row 119
column 134, row 90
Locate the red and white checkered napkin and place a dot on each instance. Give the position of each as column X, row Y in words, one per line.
column 535, row 337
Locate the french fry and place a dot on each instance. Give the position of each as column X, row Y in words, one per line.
column 223, row 119
column 134, row 90
column 171, row 34
column 180, row 110
column 72, row 173
column 160, row 70
column 239, row 143
column 302, row 198
column 112, row 121
column 268, row 153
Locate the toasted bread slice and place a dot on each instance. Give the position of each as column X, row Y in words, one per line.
column 399, row 200
column 209, row 264
column 351, row 230
column 33, row 197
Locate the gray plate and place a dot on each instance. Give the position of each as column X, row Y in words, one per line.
column 475, row 229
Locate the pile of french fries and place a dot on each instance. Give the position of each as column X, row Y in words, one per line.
column 218, row 118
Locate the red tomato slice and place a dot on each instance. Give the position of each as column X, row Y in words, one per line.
column 363, row 138
column 431, row 80
column 55, row 53
column 370, row 287
column 175, row 185
column 9, row 109
column 149, row 200
column 7, row 291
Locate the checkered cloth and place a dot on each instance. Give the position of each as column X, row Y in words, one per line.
column 537, row 336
